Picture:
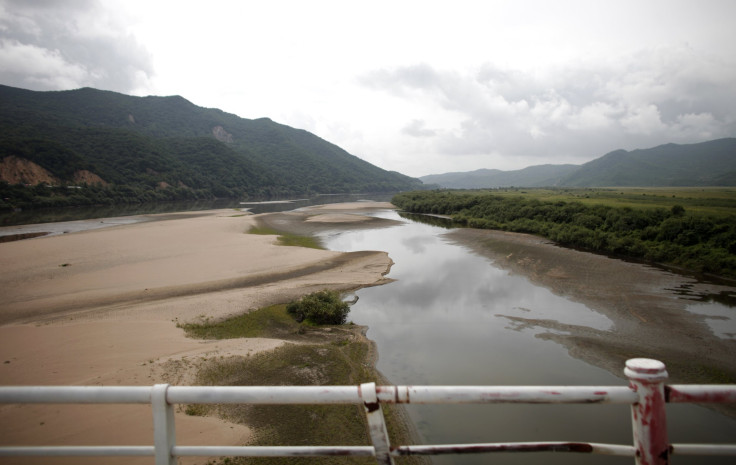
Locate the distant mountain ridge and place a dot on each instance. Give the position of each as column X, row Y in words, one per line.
column 711, row 163
column 166, row 148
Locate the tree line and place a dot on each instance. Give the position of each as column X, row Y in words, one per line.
column 700, row 243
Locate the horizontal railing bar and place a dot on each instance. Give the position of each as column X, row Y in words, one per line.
column 704, row 449
column 646, row 378
column 75, row 451
column 286, row 451
column 76, row 394
column 700, row 393
column 506, row 394
column 580, row 447
column 401, row 394
column 263, row 395
column 321, row 394
column 274, row 451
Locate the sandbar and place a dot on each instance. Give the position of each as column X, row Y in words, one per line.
column 101, row 307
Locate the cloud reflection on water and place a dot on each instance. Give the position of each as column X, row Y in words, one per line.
column 452, row 318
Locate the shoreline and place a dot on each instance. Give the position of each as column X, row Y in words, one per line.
column 101, row 307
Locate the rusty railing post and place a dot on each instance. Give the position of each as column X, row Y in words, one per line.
column 376, row 424
column 648, row 416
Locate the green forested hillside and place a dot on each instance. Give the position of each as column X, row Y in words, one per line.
column 711, row 163
column 166, row 148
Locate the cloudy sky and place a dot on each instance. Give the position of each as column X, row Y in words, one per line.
column 420, row 87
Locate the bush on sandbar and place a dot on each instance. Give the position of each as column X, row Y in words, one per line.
column 320, row 308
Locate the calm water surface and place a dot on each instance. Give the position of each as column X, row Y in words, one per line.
column 442, row 322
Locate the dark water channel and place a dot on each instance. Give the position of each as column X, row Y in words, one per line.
column 442, row 323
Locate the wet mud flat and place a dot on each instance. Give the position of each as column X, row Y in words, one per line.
column 647, row 305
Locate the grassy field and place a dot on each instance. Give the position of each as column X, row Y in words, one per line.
column 715, row 201
column 315, row 355
column 288, row 239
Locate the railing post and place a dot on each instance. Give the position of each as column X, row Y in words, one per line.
column 164, row 429
column 376, row 424
column 648, row 416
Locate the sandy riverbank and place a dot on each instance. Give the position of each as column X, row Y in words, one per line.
column 100, row 307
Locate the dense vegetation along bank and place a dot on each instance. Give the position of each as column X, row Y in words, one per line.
column 661, row 230
column 332, row 354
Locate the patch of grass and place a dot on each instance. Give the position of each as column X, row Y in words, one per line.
column 294, row 364
column 332, row 355
column 700, row 200
column 270, row 321
column 340, row 362
column 197, row 410
column 288, row 238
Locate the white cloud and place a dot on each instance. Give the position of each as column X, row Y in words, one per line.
column 417, row 128
column 595, row 116
column 643, row 120
column 635, row 101
column 38, row 67
column 62, row 45
column 698, row 126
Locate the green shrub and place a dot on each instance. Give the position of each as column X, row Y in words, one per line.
column 320, row 308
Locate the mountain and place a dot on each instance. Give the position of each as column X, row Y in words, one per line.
column 533, row 176
column 152, row 148
column 711, row 163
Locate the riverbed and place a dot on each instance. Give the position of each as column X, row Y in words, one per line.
column 470, row 307
column 459, row 306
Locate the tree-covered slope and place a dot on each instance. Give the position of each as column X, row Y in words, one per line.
column 168, row 148
column 711, row 163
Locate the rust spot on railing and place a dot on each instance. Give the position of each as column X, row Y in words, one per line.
column 579, row 447
column 372, row 406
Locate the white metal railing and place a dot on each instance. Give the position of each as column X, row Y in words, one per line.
column 647, row 394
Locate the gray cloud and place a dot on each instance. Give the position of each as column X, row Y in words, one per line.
column 578, row 111
column 416, row 128
column 48, row 45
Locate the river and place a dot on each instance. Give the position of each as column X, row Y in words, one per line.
column 445, row 320
column 453, row 317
